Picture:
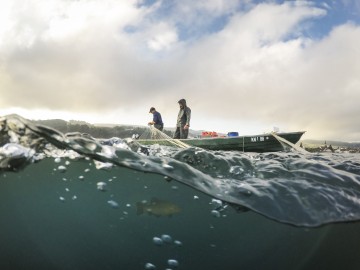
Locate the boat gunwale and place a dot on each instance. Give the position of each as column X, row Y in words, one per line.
column 232, row 137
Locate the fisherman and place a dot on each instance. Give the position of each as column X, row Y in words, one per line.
column 157, row 120
column 183, row 121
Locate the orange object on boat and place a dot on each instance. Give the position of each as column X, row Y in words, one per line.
column 209, row 134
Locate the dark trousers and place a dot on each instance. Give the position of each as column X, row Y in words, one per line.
column 181, row 133
column 159, row 127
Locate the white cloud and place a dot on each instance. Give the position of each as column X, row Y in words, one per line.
column 81, row 57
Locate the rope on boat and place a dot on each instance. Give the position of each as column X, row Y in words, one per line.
column 158, row 135
column 282, row 140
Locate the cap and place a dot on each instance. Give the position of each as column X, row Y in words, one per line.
column 152, row 109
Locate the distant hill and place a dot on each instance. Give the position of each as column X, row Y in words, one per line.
column 120, row 131
column 100, row 130
column 333, row 143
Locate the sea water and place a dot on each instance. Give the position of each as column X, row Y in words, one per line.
column 71, row 202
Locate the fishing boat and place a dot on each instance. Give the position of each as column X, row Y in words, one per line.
column 269, row 142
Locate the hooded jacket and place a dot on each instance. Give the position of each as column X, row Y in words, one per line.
column 184, row 114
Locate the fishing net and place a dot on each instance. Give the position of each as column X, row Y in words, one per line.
column 154, row 134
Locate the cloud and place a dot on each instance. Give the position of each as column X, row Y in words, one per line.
column 237, row 63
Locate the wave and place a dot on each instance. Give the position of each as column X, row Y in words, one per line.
column 295, row 188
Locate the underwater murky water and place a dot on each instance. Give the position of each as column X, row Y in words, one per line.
column 72, row 202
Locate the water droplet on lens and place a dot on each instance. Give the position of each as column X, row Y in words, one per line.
column 173, row 263
column 158, row 241
column 150, row 266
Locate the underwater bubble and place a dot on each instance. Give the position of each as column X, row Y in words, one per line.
column 67, row 190
column 62, row 199
column 62, row 168
column 173, row 263
column 74, row 197
column 128, row 205
column 166, row 238
column 81, row 177
column 91, row 146
column 113, row 204
column 167, row 178
column 216, row 203
column 174, row 187
column 215, row 213
column 67, row 162
column 101, row 186
column 87, row 170
column 103, row 165
column 57, row 160
column 158, row 241
column 149, row 266
column 64, row 179
column 178, row 243
column 196, row 197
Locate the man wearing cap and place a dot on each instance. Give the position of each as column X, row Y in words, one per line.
column 183, row 121
column 157, row 120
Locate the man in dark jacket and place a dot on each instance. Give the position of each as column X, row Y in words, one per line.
column 157, row 120
column 183, row 121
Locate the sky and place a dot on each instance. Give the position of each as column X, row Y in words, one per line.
column 242, row 65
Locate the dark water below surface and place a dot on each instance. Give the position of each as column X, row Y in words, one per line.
column 41, row 231
column 69, row 201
